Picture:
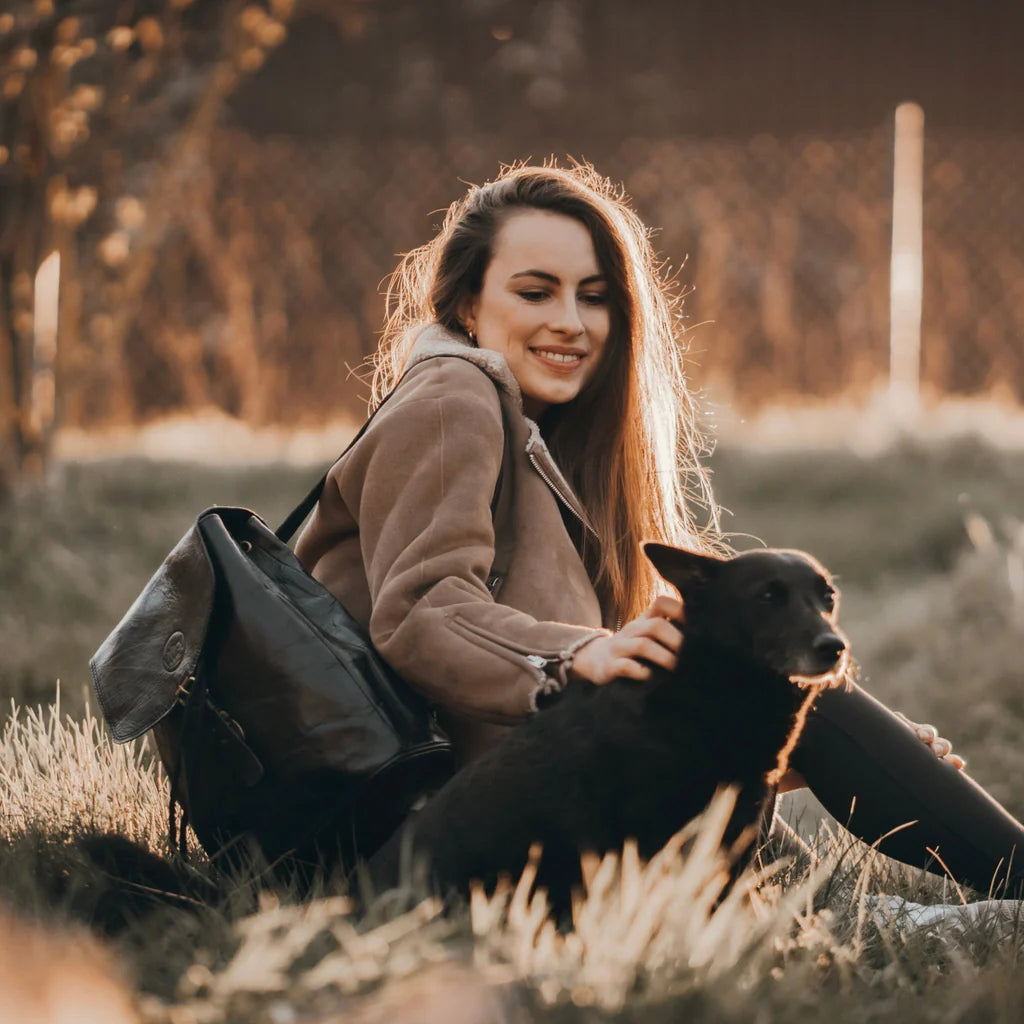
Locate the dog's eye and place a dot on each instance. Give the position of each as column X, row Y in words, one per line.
column 773, row 593
column 828, row 597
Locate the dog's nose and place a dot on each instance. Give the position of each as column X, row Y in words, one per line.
column 829, row 646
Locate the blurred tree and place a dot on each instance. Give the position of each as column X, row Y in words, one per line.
column 81, row 81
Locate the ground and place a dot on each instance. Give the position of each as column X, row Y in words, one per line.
column 926, row 541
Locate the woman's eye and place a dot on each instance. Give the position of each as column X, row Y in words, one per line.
column 594, row 299
column 532, row 296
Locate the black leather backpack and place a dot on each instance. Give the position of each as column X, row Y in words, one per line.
column 276, row 720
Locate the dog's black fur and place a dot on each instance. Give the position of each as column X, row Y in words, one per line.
column 640, row 759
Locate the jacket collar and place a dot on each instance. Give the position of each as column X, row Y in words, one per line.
column 435, row 340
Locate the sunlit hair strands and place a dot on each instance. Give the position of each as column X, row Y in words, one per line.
column 628, row 442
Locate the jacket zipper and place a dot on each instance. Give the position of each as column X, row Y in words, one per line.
column 558, row 493
column 565, row 501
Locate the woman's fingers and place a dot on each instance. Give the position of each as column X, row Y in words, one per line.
column 627, row 668
column 607, row 658
column 656, row 625
column 650, row 639
column 652, row 651
column 941, row 747
column 664, row 632
column 666, row 607
column 657, row 640
column 944, row 751
column 929, row 735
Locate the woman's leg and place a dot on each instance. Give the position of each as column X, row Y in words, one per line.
column 873, row 775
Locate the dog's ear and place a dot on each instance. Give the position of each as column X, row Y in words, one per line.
column 683, row 569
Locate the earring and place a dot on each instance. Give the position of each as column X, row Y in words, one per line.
column 471, row 334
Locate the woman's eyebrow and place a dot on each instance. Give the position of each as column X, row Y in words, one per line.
column 554, row 279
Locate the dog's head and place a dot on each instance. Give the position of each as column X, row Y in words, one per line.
column 776, row 607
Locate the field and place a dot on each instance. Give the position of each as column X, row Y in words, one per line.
column 927, row 542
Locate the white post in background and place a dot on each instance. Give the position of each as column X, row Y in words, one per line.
column 43, row 401
column 907, row 269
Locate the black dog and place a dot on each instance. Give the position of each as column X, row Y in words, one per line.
column 640, row 759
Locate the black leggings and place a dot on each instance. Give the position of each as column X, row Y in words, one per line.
column 873, row 774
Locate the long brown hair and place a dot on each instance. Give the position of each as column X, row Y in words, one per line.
column 628, row 443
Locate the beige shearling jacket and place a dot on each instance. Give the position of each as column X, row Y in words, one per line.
column 403, row 537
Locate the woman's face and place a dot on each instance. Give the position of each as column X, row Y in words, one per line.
column 543, row 305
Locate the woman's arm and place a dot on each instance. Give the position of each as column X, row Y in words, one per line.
column 422, row 479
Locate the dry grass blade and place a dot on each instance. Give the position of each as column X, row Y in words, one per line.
column 636, row 920
column 63, row 776
column 302, row 953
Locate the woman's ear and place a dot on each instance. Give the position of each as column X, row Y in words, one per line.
column 467, row 315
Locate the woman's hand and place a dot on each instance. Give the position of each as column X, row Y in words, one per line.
column 942, row 748
column 651, row 637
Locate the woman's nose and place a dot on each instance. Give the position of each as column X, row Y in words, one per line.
column 566, row 318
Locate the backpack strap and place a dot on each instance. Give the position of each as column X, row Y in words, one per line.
column 501, row 513
column 501, row 502
column 297, row 516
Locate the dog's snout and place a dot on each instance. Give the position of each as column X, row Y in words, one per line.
column 829, row 646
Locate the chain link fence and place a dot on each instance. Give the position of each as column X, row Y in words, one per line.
column 266, row 291
column 973, row 317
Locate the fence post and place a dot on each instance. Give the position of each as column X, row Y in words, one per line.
column 42, row 388
column 906, row 272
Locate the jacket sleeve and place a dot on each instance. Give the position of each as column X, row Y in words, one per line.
column 426, row 472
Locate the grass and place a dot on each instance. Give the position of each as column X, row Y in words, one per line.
column 650, row 941
column 928, row 547
column 75, row 552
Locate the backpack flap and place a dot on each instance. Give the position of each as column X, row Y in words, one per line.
column 139, row 670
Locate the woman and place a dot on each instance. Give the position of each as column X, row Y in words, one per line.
column 539, row 306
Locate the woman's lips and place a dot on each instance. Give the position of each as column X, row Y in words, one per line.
column 557, row 360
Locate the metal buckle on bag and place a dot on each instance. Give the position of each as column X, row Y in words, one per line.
column 233, row 724
column 184, row 690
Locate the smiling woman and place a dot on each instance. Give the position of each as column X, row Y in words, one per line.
column 536, row 312
column 543, row 306
column 546, row 266
column 536, row 323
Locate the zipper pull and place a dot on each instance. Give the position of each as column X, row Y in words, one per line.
column 538, row 661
